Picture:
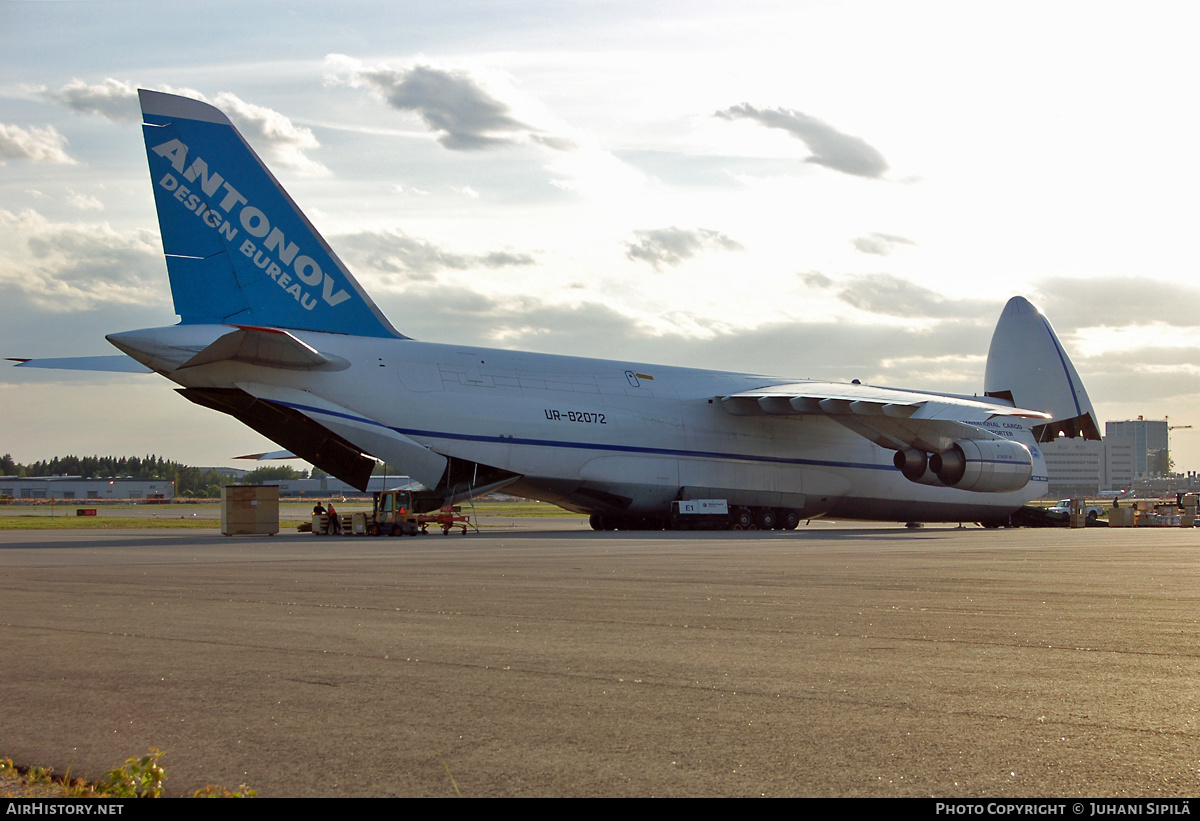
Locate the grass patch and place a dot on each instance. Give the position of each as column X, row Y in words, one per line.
column 520, row 510
column 209, row 516
column 137, row 778
column 37, row 522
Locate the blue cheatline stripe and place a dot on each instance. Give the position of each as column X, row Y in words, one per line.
column 558, row 443
column 1062, row 358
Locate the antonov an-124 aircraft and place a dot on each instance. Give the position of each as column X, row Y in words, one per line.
column 275, row 332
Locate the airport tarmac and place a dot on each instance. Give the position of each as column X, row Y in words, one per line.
column 836, row 660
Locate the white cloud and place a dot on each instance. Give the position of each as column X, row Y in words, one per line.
column 467, row 111
column 399, row 258
column 671, row 246
column 84, row 202
column 34, row 144
column 893, row 296
column 879, row 244
column 830, row 147
column 273, row 134
column 112, row 99
column 1139, row 340
column 281, row 141
column 478, row 110
column 1120, row 302
column 63, row 267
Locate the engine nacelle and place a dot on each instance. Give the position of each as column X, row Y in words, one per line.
column 913, row 464
column 984, row 465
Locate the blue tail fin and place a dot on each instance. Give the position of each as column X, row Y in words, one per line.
column 238, row 249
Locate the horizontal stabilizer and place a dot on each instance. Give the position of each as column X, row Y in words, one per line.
column 112, row 364
column 268, row 347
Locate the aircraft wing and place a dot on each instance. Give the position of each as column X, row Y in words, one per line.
column 890, row 418
column 113, row 364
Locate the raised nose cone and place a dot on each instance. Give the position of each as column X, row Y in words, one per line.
column 1028, row 365
column 1018, row 305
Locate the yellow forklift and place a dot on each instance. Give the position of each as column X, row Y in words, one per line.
column 392, row 514
column 396, row 513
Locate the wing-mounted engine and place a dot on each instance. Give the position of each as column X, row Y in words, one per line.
column 981, row 465
column 984, row 466
column 913, row 464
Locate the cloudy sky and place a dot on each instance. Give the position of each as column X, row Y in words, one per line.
column 814, row 189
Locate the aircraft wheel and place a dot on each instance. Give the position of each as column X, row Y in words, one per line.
column 765, row 519
column 596, row 521
column 789, row 519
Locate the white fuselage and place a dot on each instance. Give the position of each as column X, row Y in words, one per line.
column 587, row 434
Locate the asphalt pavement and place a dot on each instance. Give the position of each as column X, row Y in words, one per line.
column 545, row 660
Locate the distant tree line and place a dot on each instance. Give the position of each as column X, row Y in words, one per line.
column 190, row 482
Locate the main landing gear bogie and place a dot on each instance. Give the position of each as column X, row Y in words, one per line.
column 740, row 518
column 764, row 518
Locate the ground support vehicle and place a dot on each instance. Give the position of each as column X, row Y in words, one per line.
column 448, row 518
column 392, row 514
column 1062, row 509
column 699, row 514
column 396, row 513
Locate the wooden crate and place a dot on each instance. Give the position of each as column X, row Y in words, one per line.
column 250, row 510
